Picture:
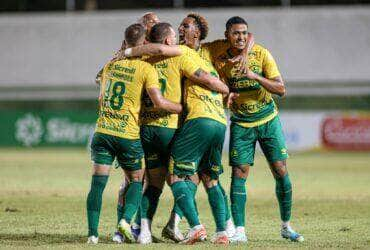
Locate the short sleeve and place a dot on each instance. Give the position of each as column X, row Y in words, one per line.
column 269, row 67
column 189, row 65
column 151, row 77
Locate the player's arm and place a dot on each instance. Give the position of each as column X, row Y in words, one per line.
column 162, row 103
column 271, row 79
column 153, row 49
column 209, row 81
column 274, row 85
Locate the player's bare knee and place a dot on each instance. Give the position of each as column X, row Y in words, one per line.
column 194, row 178
column 99, row 169
column 208, row 182
column 241, row 171
column 172, row 178
column 136, row 175
column 279, row 169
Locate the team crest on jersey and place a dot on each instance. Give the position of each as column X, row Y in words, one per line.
column 284, row 151
column 234, row 153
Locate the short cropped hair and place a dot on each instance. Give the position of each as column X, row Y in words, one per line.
column 134, row 33
column 159, row 32
column 235, row 20
column 201, row 23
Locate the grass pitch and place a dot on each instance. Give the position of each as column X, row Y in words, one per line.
column 43, row 192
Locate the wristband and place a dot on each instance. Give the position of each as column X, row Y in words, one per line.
column 128, row 52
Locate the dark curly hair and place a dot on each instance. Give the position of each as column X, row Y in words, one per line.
column 201, row 23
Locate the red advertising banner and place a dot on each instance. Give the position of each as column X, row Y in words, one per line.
column 346, row 133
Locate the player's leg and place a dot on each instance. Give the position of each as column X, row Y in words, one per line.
column 102, row 155
column 172, row 231
column 272, row 142
column 118, row 237
column 241, row 155
column 188, row 148
column 230, row 227
column 129, row 156
column 210, row 169
column 156, row 143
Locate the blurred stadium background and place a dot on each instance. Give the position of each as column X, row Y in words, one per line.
column 52, row 50
column 49, row 61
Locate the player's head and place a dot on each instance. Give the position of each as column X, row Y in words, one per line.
column 237, row 32
column 134, row 35
column 148, row 20
column 162, row 33
column 193, row 29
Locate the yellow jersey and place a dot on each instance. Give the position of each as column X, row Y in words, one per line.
column 122, row 85
column 255, row 105
column 200, row 102
column 171, row 71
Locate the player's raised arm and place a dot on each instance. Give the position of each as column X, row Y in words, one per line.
column 162, row 103
column 211, row 82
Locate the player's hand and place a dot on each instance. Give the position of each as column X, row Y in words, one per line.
column 241, row 62
column 245, row 71
column 231, row 98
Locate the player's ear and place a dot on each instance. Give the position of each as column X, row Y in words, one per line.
column 226, row 34
column 124, row 44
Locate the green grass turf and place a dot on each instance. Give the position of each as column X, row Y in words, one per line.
column 43, row 191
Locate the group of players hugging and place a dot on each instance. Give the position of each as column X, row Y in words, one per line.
column 166, row 102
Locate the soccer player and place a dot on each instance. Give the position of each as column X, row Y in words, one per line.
column 148, row 20
column 117, row 130
column 159, row 128
column 255, row 118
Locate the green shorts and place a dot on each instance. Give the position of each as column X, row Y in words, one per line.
column 156, row 144
column 129, row 153
column 198, row 148
column 243, row 143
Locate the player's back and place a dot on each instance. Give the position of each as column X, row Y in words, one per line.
column 171, row 71
column 122, row 85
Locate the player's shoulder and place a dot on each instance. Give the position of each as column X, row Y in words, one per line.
column 216, row 43
column 259, row 48
column 186, row 51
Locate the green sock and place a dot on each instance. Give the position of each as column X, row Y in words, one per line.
column 177, row 210
column 185, row 200
column 94, row 201
column 193, row 188
column 238, row 197
column 217, row 202
column 132, row 200
column 227, row 210
column 149, row 202
column 119, row 213
column 283, row 190
column 138, row 216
